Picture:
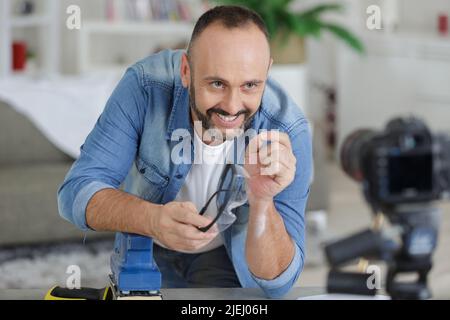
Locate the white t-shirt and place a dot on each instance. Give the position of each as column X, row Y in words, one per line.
column 202, row 181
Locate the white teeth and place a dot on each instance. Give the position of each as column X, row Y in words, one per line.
column 226, row 118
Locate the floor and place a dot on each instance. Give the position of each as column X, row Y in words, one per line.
column 349, row 213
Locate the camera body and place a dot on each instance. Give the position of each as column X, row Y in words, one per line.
column 403, row 164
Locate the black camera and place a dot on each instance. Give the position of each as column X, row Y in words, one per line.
column 403, row 170
column 404, row 163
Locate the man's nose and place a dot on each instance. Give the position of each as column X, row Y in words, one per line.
column 233, row 102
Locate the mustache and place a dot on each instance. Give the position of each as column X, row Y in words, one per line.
column 224, row 113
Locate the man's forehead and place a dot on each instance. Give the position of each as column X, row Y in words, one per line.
column 218, row 49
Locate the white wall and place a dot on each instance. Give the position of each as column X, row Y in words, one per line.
column 325, row 68
column 413, row 14
column 109, row 49
column 404, row 73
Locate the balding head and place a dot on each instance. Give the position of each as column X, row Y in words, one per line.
column 229, row 17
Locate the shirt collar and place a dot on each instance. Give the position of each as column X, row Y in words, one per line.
column 180, row 117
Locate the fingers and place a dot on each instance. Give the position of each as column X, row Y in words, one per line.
column 279, row 141
column 277, row 136
column 190, row 232
column 278, row 162
column 277, row 153
column 281, row 171
column 251, row 153
column 180, row 222
column 274, row 136
column 276, row 159
column 186, row 237
column 268, row 153
column 270, row 162
column 187, row 213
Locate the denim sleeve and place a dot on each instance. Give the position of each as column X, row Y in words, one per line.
column 108, row 152
column 291, row 205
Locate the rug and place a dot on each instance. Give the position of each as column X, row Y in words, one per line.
column 40, row 267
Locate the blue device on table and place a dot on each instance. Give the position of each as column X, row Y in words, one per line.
column 135, row 274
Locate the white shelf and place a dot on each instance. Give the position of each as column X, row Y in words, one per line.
column 108, row 68
column 156, row 27
column 409, row 45
column 46, row 21
column 32, row 21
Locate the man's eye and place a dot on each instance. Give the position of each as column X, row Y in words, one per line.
column 250, row 85
column 217, row 84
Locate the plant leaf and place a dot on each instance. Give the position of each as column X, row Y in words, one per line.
column 317, row 10
column 279, row 19
column 348, row 37
column 303, row 27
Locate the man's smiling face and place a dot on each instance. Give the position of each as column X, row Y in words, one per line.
column 226, row 75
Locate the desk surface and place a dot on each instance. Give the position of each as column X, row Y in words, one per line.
column 181, row 294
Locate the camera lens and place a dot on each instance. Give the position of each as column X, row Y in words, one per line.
column 351, row 152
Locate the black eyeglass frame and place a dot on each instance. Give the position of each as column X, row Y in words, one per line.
column 237, row 183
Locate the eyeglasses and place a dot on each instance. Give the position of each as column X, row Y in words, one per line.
column 230, row 194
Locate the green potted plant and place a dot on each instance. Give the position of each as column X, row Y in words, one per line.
column 288, row 29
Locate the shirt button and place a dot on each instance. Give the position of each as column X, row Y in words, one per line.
column 179, row 176
column 142, row 170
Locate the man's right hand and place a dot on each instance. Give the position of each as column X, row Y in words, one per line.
column 175, row 227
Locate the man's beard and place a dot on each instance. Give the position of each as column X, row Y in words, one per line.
column 206, row 121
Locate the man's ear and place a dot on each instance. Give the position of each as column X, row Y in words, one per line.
column 270, row 64
column 185, row 71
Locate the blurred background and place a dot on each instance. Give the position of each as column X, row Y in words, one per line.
column 348, row 64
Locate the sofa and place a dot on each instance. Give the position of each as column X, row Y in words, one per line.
column 31, row 169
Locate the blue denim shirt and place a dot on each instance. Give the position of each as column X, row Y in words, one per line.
column 130, row 147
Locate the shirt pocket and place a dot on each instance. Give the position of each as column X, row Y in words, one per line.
column 153, row 182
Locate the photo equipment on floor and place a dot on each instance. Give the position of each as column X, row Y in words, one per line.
column 403, row 170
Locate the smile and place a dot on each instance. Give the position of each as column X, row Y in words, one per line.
column 227, row 121
column 227, row 118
